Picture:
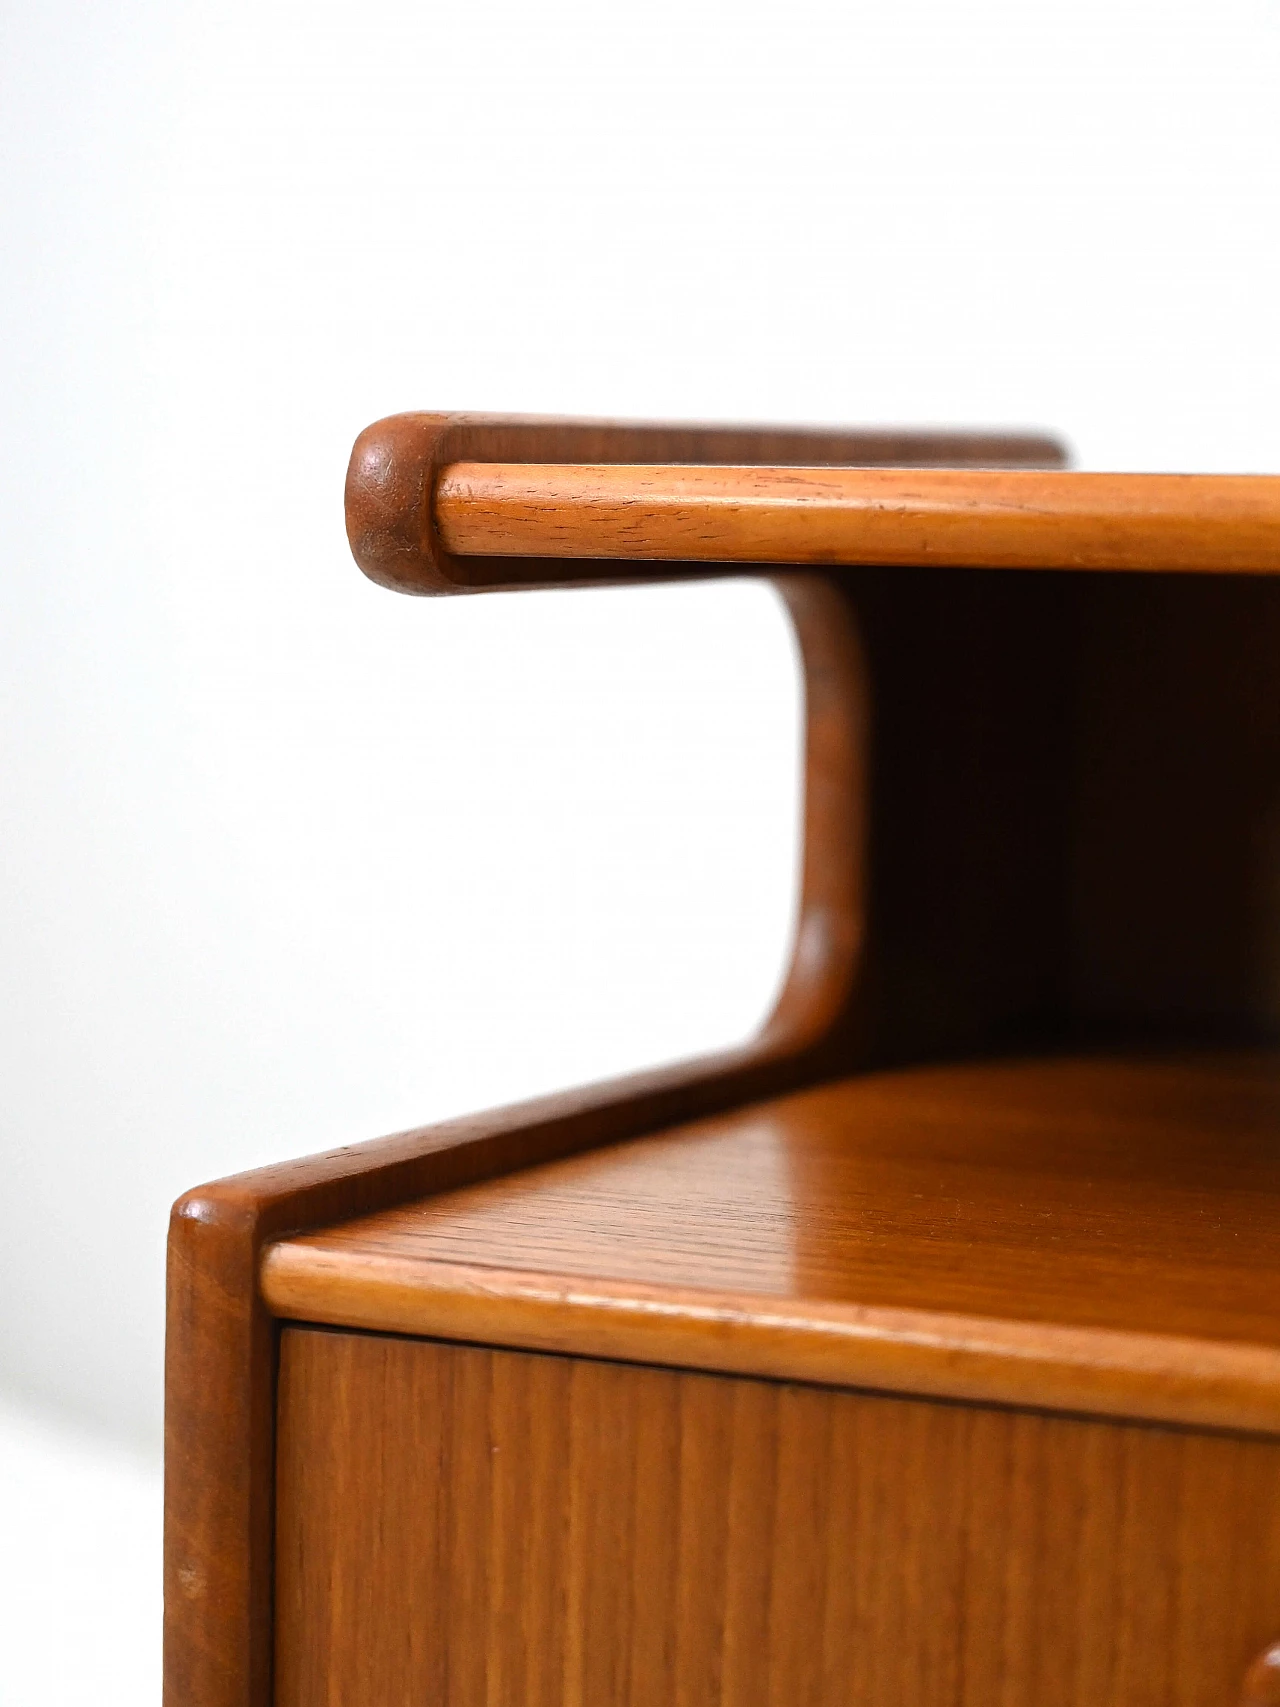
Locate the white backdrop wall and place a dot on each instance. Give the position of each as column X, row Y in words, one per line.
column 287, row 861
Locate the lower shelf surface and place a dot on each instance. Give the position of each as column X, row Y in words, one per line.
column 1099, row 1235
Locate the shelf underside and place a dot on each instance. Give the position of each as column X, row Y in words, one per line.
column 1092, row 1233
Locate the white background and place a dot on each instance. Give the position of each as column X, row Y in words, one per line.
column 287, row 861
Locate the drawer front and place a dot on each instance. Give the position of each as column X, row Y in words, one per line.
column 463, row 1526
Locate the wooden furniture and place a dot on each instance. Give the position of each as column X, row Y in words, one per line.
column 926, row 1350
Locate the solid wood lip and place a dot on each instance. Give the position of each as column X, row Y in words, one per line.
column 1083, row 1370
column 960, row 517
column 396, row 462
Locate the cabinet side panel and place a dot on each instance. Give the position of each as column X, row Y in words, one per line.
column 457, row 1525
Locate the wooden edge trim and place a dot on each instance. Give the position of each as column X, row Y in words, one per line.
column 395, row 466
column 220, row 1353
column 220, row 1344
column 952, row 518
column 1085, row 1371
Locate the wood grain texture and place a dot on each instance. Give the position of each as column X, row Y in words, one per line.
column 1094, row 1235
column 465, row 1527
column 967, row 518
column 944, row 918
column 395, row 464
column 1075, row 809
column 220, row 1339
column 1174, row 799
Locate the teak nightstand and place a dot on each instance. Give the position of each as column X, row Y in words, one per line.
column 925, row 1352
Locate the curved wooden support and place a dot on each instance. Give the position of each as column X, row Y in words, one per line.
column 964, row 863
column 221, row 1347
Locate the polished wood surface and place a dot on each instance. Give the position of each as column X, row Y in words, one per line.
column 1262, row 1681
column 968, row 518
column 395, row 465
column 461, row 1526
column 1076, row 1234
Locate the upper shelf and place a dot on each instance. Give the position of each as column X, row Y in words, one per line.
column 462, row 503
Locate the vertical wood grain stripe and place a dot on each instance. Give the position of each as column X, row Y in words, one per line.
column 470, row 1528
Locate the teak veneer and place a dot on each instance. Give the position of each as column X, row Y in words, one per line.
column 503, row 1526
column 926, row 1348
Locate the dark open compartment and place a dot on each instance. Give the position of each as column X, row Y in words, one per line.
column 1075, row 821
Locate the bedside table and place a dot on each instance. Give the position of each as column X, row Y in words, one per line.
column 926, row 1349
